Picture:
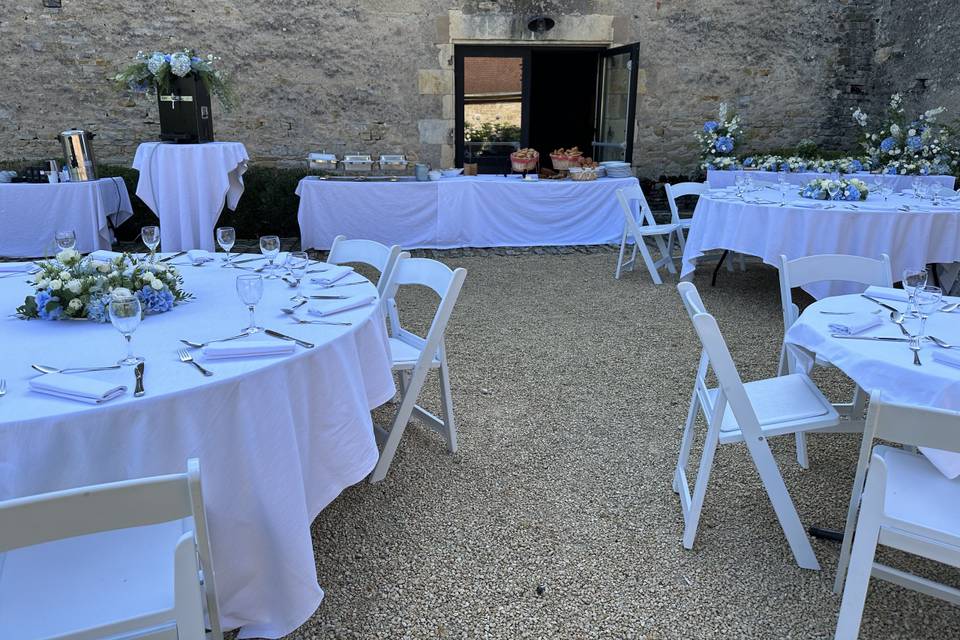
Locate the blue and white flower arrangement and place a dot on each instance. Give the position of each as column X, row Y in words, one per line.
column 850, row 190
column 901, row 146
column 156, row 71
column 71, row 286
column 719, row 139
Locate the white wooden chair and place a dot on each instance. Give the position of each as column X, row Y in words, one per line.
column 749, row 413
column 638, row 223
column 680, row 190
column 906, row 504
column 823, row 268
column 127, row 560
column 413, row 357
column 369, row 252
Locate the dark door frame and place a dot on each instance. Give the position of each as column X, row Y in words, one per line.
column 634, row 51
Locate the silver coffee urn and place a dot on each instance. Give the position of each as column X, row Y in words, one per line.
column 78, row 154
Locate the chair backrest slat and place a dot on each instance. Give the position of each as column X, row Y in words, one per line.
column 680, row 190
column 635, row 209
column 369, row 252
column 913, row 425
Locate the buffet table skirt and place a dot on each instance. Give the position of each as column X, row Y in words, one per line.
column 805, row 228
column 277, row 438
column 31, row 214
column 721, row 179
column 475, row 211
column 186, row 186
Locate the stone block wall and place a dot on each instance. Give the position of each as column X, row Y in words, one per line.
column 377, row 75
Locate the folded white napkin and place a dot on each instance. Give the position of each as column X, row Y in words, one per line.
column 886, row 293
column 89, row 390
column 247, row 349
column 104, row 256
column 15, row 267
column 856, row 323
column 199, row 256
column 331, row 275
column 947, row 357
column 340, row 307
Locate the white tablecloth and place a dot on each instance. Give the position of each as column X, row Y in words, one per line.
column 479, row 211
column 887, row 366
column 720, row 179
column 278, row 438
column 186, row 186
column 924, row 235
column 30, row 215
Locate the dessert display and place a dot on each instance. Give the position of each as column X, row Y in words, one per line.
column 563, row 159
column 524, row 160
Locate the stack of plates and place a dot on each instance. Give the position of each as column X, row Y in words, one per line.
column 617, row 169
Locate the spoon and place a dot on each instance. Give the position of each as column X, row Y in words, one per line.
column 940, row 343
column 947, row 308
column 200, row 345
column 897, row 318
column 45, row 369
column 339, row 324
column 290, row 310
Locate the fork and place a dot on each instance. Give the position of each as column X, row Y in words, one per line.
column 331, row 322
column 186, row 357
column 3, row 387
column 200, row 345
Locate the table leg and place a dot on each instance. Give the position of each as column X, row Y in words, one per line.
column 825, row 534
column 716, row 269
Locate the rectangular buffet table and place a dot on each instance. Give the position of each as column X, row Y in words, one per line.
column 465, row 211
column 30, row 215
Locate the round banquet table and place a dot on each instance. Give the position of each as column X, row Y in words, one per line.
column 726, row 178
column 885, row 366
column 759, row 225
column 278, row 438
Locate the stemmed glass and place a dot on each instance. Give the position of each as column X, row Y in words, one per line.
column 151, row 238
column 935, row 195
column 878, row 184
column 226, row 238
column 913, row 279
column 270, row 248
column 297, row 262
column 250, row 290
column 125, row 313
column 782, row 185
column 916, row 187
column 66, row 239
column 927, row 301
column 833, row 188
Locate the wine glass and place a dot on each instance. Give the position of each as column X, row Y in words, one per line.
column 66, row 239
column 297, row 262
column 739, row 181
column 916, row 187
column 250, row 290
column 270, row 248
column 151, row 238
column 878, row 183
column 125, row 313
column 935, row 195
column 927, row 299
column 833, row 188
column 226, row 238
column 913, row 278
column 782, row 185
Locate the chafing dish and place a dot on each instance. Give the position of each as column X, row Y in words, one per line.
column 322, row 161
column 357, row 162
column 397, row 162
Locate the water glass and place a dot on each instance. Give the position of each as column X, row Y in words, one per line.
column 270, row 248
column 297, row 262
column 66, row 239
column 927, row 301
column 250, row 290
column 125, row 314
column 913, row 278
column 151, row 238
column 226, row 238
column 833, row 188
column 739, row 181
column 915, row 185
column 782, row 185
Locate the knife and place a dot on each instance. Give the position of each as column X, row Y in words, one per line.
column 176, row 255
column 247, row 260
column 885, row 306
column 283, row 336
column 883, row 338
column 138, row 372
column 327, row 297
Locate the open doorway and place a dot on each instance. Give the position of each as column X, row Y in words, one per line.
column 510, row 97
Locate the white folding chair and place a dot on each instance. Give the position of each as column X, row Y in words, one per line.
column 825, row 268
column 680, row 190
column 369, row 252
column 906, row 504
column 413, row 356
column 749, row 413
column 640, row 225
column 128, row 559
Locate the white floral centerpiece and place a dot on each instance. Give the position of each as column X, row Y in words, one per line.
column 847, row 189
column 71, row 286
column 795, row 164
column 156, row 71
column 718, row 139
column 920, row 146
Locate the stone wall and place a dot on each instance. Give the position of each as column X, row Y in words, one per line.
column 377, row 75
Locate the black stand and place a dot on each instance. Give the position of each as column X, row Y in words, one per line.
column 716, row 269
column 825, row 534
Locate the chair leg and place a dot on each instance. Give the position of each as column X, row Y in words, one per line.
column 861, row 565
column 691, row 519
column 623, row 247
column 446, row 400
column 633, row 256
column 665, row 252
column 647, row 260
column 686, row 440
column 782, row 504
column 802, row 457
column 681, row 240
column 400, row 421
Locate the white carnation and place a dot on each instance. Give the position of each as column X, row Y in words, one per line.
column 75, row 304
column 55, row 285
column 156, row 284
column 75, row 286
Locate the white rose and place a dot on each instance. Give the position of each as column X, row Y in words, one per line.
column 75, row 304
column 894, row 130
column 103, row 267
column 64, row 275
column 42, row 283
column 75, row 286
column 121, row 292
column 55, row 285
column 912, row 132
column 156, row 284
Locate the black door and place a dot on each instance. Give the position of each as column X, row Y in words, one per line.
column 616, row 103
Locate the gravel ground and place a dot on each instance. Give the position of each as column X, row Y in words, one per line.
column 556, row 518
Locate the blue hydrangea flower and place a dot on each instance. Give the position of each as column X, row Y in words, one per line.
column 924, row 171
column 856, row 165
column 853, row 193
column 914, row 143
column 891, row 171
column 154, row 301
column 97, row 308
column 887, row 144
column 180, row 64
column 748, row 161
column 710, row 126
column 724, row 144
column 42, row 298
column 155, row 61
